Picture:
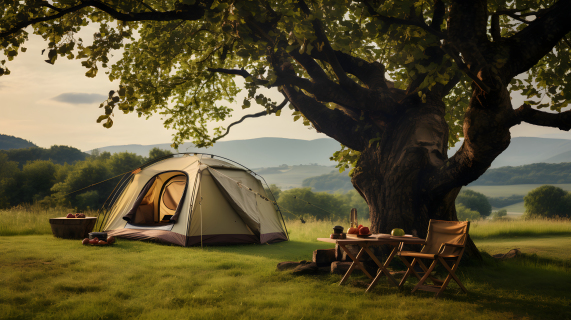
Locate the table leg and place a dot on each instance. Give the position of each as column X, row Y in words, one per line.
column 383, row 269
column 356, row 263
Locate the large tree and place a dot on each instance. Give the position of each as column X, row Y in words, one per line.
column 395, row 82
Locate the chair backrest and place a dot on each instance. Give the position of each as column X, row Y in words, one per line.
column 440, row 231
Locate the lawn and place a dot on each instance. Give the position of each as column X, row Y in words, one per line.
column 42, row 277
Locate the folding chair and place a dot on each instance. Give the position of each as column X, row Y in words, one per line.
column 446, row 240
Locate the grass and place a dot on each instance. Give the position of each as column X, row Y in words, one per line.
column 42, row 277
column 509, row 228
column 30, row 219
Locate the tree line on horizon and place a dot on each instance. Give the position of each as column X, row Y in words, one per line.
column 36, row 178
column 536, row 173
column 52, row 183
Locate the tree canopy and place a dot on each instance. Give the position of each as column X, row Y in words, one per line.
column 179, row 57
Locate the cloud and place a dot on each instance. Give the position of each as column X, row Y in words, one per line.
column 80, row 98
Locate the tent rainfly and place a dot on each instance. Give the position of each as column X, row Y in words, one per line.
column 193, row 199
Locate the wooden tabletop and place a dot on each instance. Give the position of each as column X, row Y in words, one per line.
column 64, row 218
column 375, row 239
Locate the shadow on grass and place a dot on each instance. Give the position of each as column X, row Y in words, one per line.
column 282, row 251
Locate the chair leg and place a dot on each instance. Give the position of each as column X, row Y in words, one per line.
column 452, row 272
column 409, row 270
column 436, row 281
column 426, row 275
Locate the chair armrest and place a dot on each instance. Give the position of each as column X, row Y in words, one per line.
column 453, row 245
column 444, row 245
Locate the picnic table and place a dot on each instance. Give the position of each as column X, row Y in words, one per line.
column 365, row 244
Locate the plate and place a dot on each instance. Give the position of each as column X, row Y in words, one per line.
column 364, row 235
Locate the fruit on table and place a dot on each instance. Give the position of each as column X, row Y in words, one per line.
column 397, row 232
column 85, row 241
column 353, row 231
column 70, row 215
column 364, row 230
column 79, row 215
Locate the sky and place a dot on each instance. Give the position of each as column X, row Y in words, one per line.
column 58, row 105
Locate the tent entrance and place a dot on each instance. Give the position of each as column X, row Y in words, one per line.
column 158, row 202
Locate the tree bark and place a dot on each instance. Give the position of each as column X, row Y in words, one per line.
column 391, row 171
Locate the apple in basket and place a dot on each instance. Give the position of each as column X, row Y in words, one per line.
column 364, row 230
column 70, row 215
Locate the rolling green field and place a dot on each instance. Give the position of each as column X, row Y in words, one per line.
column 508, row 190
column 42, row 277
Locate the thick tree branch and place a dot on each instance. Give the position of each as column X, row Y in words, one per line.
column 531, row 44
column 308, row 63
column 462, row 66
column 438, row 15
column 392, row 20
column 192, row 12
column 344, row 80
column 333, row 123
column 372, row 74
column 451, row 84
column 556, row 120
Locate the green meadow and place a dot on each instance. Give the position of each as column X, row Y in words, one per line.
column 43, row 277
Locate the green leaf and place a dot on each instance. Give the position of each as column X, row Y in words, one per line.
column 91, row 73
column 102, row 117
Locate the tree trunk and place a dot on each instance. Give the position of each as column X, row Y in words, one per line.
column 392, row 171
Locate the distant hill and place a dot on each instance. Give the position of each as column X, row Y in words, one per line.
column 10, row 142
column 562, row 157
column 287, row 177
column 537, row 173
column 332, row 181
column 255, row 153
column 527, row 150
column 57, row 154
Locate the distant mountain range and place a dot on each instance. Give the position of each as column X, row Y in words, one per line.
column 527, row 150
column 10, row 142
column 273, row 152
column 254, row 153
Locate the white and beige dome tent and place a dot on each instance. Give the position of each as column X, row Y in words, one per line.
column 193, row 199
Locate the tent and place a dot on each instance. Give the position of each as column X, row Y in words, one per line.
column 193, row 199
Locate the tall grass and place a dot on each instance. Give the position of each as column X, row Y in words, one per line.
column 484, row 229
column 30, row 219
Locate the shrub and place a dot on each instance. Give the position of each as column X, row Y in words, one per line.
column 466, row 214
column 474, row 201
column 497, row 215
column 547, row 201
